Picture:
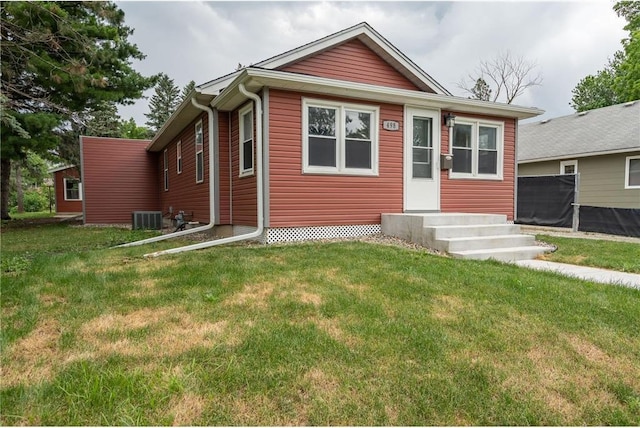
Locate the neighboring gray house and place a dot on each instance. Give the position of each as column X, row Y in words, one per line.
column 602, row 145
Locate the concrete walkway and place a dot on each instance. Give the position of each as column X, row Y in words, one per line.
column 583, row 272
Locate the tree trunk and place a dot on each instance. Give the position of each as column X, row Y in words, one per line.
column 5, row 174
column 19, row 190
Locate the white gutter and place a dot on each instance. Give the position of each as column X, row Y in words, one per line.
column 260, row 195
column 212, row 219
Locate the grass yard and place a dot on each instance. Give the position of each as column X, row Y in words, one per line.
column 620, row 256
column 346, row 333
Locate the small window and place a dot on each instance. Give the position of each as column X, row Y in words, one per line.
column 246, row 140
column 632, row 173
column 477, row 149
column 179, row 157
column 72, row 189
column 166, row 170
column 339, row 138
column 569, row 167
column 199, row 153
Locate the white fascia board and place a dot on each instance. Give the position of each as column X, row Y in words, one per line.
column 214, row 87
column 300, row 82
column 581, row 155
column 347, row 34
column 60, row 168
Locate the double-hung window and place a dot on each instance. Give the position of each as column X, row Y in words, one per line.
column 72, row 189
column 199, row 153
column 339, row 138
column 179, row 157
column 166, row 170
column 245, row 117
column 477, row 148
column 632, row 173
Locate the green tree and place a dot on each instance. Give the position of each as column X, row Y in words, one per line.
column 163, row 103
column 481, row 90
column 619, row 80
column 187, row 90
column 59, row 58
column 129, row 129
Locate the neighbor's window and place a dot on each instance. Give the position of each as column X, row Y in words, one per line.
column 340, row 138
column 246, row 140
column 199, row 153
column 72, row 189
column 569, row 167
column 632, row 173
column 166, row 170
column 179, row 157
column 477, row 149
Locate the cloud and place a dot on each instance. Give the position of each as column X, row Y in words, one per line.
column 204, row 40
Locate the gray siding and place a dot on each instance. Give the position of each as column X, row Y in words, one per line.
column 601, row 179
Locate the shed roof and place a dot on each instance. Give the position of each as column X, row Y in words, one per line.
column 613, row 129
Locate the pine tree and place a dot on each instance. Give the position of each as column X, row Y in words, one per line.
column 163, row 103
column 481, row 90
column 187, row 90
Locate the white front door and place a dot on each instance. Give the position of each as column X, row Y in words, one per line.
column 421, row 160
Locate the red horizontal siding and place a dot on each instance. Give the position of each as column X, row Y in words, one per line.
column 184, row 193
column 244, row 190
column 298, row 199
column 63, row 206
column 119, row 176
column 224, row 168
column 481, row 196
column 352, row 61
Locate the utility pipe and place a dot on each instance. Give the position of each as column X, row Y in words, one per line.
column 212, row 218
column 260, row 195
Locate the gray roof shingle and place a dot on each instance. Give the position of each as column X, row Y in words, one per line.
column 609, row 129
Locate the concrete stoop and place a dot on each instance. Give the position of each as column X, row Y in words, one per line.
column 468, row 236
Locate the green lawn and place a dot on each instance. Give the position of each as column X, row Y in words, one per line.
column 345, row 333
column 621, row 256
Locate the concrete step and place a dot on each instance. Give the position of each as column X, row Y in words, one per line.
column 485, row 242
column 468, row 231
column 460, row 219
column 501, row 254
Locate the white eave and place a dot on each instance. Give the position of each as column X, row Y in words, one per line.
column 255, row 79
column 59, row 168
column 581, row 155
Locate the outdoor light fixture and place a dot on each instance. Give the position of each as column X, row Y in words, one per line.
column 449, row 120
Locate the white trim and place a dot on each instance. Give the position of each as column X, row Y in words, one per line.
column 475, row 149
column 165, row 169
column 340, row 108
column 242, row 113
column 295, row 234
column 627, row 171
column 179, row 157
column 564, row 164
column 580, row 155
column 60, row 168
column 195, row 145
column 64, row 188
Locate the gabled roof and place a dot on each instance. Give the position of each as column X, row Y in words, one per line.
column 58, row 168
column 607, row 130
column 363, row 32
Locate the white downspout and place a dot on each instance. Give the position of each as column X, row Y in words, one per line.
column 212, row 219
column 259, row 190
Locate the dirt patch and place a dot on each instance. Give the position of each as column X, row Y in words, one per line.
column 31, row 359
column 187, row 409
column 49, row 300
column 252, row 295
column 321, row 382
column 162, row 332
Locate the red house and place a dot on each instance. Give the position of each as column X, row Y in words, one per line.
column 68, row 190
column 337, row 131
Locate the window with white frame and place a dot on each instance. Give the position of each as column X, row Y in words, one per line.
column 179, row 157
column 632, row 172
column 199, row 153
column 477, row 148
column 245, row 117
column 340, row 138
column 569, row 167
column 72, row 189
column 166, row 170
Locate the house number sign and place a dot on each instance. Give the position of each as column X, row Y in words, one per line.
column 390, row 125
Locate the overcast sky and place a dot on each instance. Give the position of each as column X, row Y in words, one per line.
column 192, row 40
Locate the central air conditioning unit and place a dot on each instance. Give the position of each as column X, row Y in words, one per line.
column 146, row 220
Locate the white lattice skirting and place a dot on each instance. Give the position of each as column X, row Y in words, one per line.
column 291, row 234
